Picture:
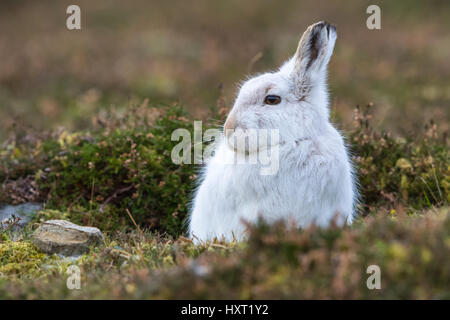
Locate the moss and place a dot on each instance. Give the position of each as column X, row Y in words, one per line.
column 126, row 169
column 28, row 273
column 21, row 259
column 95, row 178
column 276, row 262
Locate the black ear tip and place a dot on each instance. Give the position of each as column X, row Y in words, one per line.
column 328, row 26
column 323, row 24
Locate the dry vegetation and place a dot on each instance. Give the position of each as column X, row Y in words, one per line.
column 85, row 124
column 183, row 51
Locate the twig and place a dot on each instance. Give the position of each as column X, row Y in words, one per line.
column 134, row 222
column 437, row 183
column 92, row 194
column 116, row 193
column 429, row 189
column 76, row 200
column 253, row 60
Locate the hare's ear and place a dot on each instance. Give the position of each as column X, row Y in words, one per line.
column 311, row 59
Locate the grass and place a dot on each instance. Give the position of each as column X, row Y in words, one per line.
column 276, row 262
column 85, row 125
column 125, row 164
column 119, row 177
column 54, row 77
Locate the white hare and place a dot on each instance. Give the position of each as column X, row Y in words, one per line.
column 314, row 183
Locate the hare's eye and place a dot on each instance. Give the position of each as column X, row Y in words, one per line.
column 272, row 99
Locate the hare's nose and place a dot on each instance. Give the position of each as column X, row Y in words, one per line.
column 230, row 125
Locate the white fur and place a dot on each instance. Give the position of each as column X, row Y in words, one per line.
column 314, row 183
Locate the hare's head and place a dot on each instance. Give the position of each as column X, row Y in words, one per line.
column 292, row 100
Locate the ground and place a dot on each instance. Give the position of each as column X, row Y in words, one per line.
column 85, row 124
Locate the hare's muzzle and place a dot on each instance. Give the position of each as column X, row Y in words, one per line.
column 230, row 127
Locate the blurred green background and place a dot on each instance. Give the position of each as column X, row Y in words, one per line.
column 195, row 52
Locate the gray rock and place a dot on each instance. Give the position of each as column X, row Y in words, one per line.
column 66, row 238
column 24, row 211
